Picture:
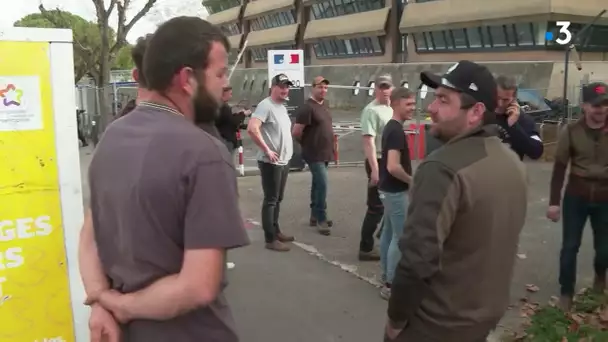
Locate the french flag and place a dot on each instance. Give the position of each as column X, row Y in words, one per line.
column 294, row 58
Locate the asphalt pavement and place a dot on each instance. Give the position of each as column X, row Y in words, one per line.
column 320, row 291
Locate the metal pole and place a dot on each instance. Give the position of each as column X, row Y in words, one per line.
column 238, row 59
column 115, row 93
column 569, row 48
column 566, row 67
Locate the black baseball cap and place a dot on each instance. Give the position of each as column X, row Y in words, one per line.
column 595, row 94
column 469, row 78
column 281, row 79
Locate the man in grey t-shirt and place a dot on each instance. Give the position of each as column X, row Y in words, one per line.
column 270, row 129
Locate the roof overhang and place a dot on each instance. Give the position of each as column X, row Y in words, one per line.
column 263, row 7
column 274, row 36
column 224, row 17
column 370, row 23
column 449, row 14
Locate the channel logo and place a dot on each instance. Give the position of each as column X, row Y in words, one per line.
column 11, row 96
column 564, row 35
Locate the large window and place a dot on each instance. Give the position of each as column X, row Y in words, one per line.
column 230, row 29
column 355, row 47
column 510, row 36
column 214, row 6
column 334, row 8
column 595, row 39
column 273, row 20
column 260, row 54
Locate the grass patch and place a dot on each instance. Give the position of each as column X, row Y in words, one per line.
column 588, row 321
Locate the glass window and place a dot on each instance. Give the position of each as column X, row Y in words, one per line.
column 273, row 20
column 439, row 40
column 525, row 34
column 420, row 42
column 460, row 39
column 377, row 43
column 498, row 37
column 430, row 45
column 474, row 37
column 511, row 35
column 333, row 8
column 365, row 46
column 539, row 30
column 597, row 38
column 486, row 40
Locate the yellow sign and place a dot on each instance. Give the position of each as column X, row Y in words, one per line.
column 34, row 288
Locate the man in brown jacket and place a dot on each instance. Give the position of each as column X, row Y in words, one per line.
column 584, row 146
column 468, row 207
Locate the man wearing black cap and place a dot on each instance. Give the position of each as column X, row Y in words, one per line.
column 584, row 146
column 270, row 129
column 468, row 207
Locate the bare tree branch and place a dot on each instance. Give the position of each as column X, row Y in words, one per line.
column 64, row 23
column 123, row 28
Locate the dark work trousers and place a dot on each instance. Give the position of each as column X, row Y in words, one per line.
column 375, row 209
column 575, row 211
column 274, row 178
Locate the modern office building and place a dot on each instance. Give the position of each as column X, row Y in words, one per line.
column 339, row 32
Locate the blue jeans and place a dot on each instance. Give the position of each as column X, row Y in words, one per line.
column 318, row 191
column 395, row 209
column 575, row 212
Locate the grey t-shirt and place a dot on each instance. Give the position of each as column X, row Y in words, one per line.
column 160, row 186
column 275, row 130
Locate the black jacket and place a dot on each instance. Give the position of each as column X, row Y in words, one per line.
column 228, row 124
column 523, row 137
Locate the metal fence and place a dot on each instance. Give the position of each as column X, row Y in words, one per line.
column 117, row 94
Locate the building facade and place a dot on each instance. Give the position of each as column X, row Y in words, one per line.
column 341, row 32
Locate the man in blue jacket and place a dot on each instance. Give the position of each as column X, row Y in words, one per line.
column 516, row 127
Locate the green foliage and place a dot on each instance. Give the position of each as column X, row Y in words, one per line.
column 87, row 40
column 123, row 58
column 585, row 323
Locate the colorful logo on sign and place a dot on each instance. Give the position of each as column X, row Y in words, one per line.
column 294, row 58
column 11, row 96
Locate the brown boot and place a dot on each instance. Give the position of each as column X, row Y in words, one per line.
column 277, row 246
column 565, row 303
column 372, row 255
column 599, row 284
column 323, row 229
column 285, row 238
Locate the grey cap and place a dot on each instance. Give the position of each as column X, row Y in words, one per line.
column 383, row 80
column 401, row 93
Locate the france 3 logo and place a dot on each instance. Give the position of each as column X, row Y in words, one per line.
column 564, row 36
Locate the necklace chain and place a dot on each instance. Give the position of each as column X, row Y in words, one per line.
column 160, row 107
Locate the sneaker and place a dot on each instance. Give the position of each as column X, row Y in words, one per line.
column 385, row 292
column 565, row 303
column 372, row 255
column 277, row 246
column 323, row 228
column 285, row 238
column 313, row 222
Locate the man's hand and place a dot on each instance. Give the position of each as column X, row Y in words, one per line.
column 513, row 112
column 272, row 156
column 247, row 112
column 554, row 213
column 103, row 326
column 391, row 331
column 111, row 300
column 374, row 178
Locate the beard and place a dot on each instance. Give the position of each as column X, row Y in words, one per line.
column 206, row 108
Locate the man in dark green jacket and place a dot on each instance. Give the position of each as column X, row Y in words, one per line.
column 468, row 207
